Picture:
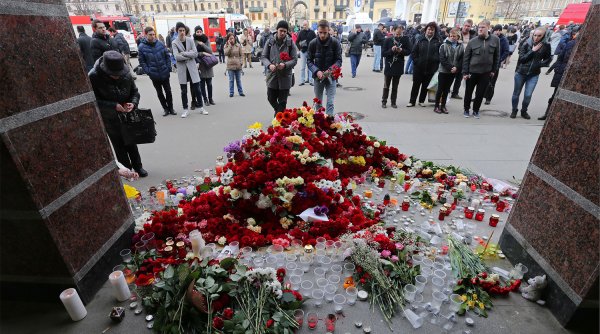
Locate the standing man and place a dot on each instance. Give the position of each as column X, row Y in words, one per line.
column 84, row 42
column 101, row 41
column 378, row 38
column 481, row 59
column 305, row 36
column 357, row 39
column 467, row 34
column 533, row 55
column 504, row 51
column 279, row 78
column 185, row 53
column 220, row 43
column 154, row 59
column 323, row 53
column 426, row 58
column 123, row 47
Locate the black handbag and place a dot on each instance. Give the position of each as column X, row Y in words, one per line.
column 138, row 127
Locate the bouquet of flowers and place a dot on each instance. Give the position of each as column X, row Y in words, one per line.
column 333, row 73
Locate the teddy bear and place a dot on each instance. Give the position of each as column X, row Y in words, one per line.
column 533, row 291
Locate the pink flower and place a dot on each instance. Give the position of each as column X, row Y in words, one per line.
column 399, row 246
column 386, row 253
column 395, row 258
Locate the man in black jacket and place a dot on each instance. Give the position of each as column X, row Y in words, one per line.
column 394, row 50
column 378, row 39
column 534, row 54
column 123, row 47
column 426, row 58
column 305, row 36
column 116, row 93
column 504, row 51
column 101, row 41
column 467, row 34
column 84, row 42
column 324, row 53
column 480, row 60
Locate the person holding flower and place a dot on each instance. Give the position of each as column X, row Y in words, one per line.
column 324, row 57
column 280, row 56
column 234, row 53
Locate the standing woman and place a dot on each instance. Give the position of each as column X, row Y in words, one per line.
column 206, row 74
column 451, row 59
column 234, row 53
column 512, row 44
column 394, row 50
column 246, row 41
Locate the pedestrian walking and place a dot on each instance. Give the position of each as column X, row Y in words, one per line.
column 206, row 73
column 481, row 58
column 451, row 61
column 155, row 61
column 280, row 77
column 504, row 50
column 101, row 41
column 394, row 50
column 116, row 92
column 220, row 44
column 185, row 53
column 84, row 42
column 357, row 39
column 234, row 53
column 246, row 41
column 305, row 36
column 324, row 53
column 533, row 55
column 426, row 58
column 378, row 38
column 467, row 34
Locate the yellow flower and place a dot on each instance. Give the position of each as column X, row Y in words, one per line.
column 474, row 296
column 274, row 122
column 130, row 191
column 481, row 305
column 256, row 125
column 471, row 304
column 463, row 298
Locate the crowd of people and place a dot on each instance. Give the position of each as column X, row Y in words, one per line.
column 450, row 55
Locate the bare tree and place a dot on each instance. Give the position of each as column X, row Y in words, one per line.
column 512, row 9
column 288, row 10
column 82, row 7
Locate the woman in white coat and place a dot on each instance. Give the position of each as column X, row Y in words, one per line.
column 185, row 54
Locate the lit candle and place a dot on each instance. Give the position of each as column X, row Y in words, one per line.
column 469, row 212
column 120, row 288
column 495, row 198
column 405, row 204
column 494, row 220
column 368, row 193
column 443, row 213
column 479, row 215
column 197, row 242
column 73, row 304
column 501, row 206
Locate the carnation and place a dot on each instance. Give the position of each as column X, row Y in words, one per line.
column 222, row 240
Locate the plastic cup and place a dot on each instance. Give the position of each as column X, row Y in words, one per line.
column 258, row 262
column 438, row 266
column 306, row 288
column 427, row 262
column 438, row 283
column 415, row 320
column 291, row 266
column 349, row 268
column 334, row 279
column 317, row 296
column 140, row 247
column 305, row 262
column 336, row 269
column 455, row 302
column 126, row 255
column 417, row 259
column 299, row 316
column 298, row 272
column 420, row 282
column 295, row 282
column 439, row 273
column 409, row 292
column 426, row 271
column 339, row 301
column 351, row 293
column 320, row 272
column 330, row 291
column 312, row 319
column 291, row 258
column 322, row 282
column 438, row 299
column 325, row 261
column 148, row 239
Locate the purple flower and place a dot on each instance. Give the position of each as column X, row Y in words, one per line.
column 321, row 210
column 386, row 253
column 233, row 147
column 395, row 259
column 399, row 246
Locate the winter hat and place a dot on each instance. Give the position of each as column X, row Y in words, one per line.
column 283, row 24
column 497, row 27
column 113, row 63
column 198, row 28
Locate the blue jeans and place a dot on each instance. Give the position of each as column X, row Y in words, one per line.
column 529, row 81
column 354, row 61
column 304, row 70
column 377, row 60
column 329, row 88
column 409, row 65
column 237, row 75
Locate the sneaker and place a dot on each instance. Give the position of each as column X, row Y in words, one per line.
column 422, row 104
column 466, row 114
column 185, row 113
column 487, row 102
column 230, row 95
column 437, row 110
column 203, row 111
column 513, row 114
column 410, row 105
column 383, row 105
column 525, row 115
column 456, row 96
column 444, row 110
column 476, row 114
column 394, row 106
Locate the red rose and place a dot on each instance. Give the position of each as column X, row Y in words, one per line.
column 218, row 323
column 228, row 313
column 270, row 323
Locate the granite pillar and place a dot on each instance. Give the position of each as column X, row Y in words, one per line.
column 554, row 228
column 63, row 213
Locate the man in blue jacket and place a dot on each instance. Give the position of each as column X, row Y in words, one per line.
column 504, row 51
column 154, row 59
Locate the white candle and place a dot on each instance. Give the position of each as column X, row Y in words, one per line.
column 462, row 186
column 73, row 304
column 197, row 242
column 121, row 290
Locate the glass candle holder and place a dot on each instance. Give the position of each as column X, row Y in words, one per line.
column 336, row 269
column 334, row 279
column 322, row 282
column 305, row 262
column 312, row 320
column 495, row 198
column 480, row 214
column 368, row 193
column 494, row 218
column 443, row 213
column 405, row 204
column 320, row 272
column 455, row 302
column 148, row 239
column 299, row 317
column 469, row 212
column 349, row 268
column 501, row 206
column 140, row 247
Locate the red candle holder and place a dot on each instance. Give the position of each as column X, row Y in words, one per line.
column 219, row 170
column 495, row 198
column 501, row 206
column 443, row 213
column 405, row 204
column 469, row 212
column 449, row 209
column 494, row 218
column 479, row 215
column 473, row 187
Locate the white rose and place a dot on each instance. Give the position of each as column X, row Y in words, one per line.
column 251, row 221
column 235, row 194
column 376, row 144
column 222, row 241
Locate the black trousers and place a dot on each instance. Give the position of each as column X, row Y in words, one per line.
column 195, row 87
column 128, row 155
column 489, row 92
column 457, row 81
column 419, row 86
column 206, row 89
column 444, row 83
column 393, row 80
column 222, row 55
column 160, row 85
column 550, row 100
column 481, row 81
column 277, row 98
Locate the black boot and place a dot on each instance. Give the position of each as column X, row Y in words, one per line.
column 514, row 113
column 525, row 115
column 543, row 118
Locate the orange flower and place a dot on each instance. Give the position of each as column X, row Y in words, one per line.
column 279, row 116
column 287, row 117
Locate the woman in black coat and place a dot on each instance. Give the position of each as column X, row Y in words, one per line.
column 394, row 50
column 559, row 69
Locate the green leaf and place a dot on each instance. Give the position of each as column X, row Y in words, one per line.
column 246, row 323
column 209, row 282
